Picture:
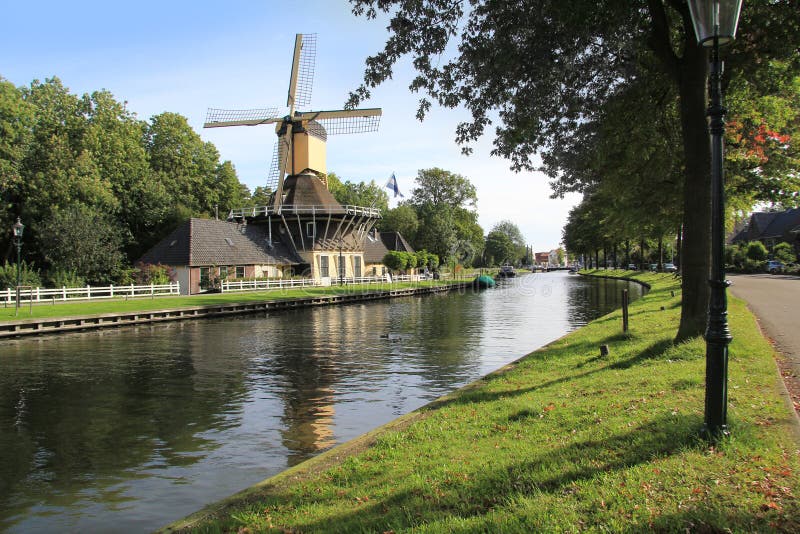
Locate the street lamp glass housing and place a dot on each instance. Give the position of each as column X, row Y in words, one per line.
column 715, row 18
column 18, row 228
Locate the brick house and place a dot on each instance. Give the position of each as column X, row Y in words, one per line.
column 201, row 250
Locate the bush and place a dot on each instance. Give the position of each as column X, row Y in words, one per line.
column 65, row 278
column 784, row 252
column 396, row 260
column 148, row 273
column 756, row 251
column 28, row 275
column 752, row 266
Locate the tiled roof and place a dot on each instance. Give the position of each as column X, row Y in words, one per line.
column 199, row 242
column 774, row 224
column 308, row 190
column 376, row 245
column 374, row 249
column 782, row 223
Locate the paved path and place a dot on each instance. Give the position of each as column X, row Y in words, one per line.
column 775, row 300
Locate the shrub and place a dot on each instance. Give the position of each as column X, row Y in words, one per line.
column 28, row 275
column 784, row 252
column 395, row 260
column 65, row 278
column 148, row 273
column 756, row 251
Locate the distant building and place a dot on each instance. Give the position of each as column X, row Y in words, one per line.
column 771, row 228
column 542, row 259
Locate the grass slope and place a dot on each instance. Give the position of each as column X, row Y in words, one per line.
column 561, row 440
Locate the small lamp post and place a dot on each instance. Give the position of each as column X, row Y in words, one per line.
column 715, row 24
column 18, row 229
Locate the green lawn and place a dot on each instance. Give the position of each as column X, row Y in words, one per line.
column 562, row 440
column 66, row 309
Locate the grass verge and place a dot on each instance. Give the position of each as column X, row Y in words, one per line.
column 67, row 309
column 561, row 440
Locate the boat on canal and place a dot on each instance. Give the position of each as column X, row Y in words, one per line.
column 507, row 271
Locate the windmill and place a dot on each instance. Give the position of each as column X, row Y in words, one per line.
column 301, row 134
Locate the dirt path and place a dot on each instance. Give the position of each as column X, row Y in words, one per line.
column 775, row 300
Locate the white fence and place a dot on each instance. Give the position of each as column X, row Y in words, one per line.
column 257, row 285
column 64, row 294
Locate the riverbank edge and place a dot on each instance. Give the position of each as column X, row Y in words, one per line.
column 60, row 325
column 339, row 454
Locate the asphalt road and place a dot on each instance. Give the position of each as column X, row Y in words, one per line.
column 775, row 300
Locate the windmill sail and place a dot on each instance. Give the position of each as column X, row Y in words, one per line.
column 302, row 131
column 217, row 118
column 301, row 81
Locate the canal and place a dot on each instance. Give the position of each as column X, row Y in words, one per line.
column 130, row 429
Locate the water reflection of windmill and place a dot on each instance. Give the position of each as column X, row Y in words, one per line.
column 301, row 209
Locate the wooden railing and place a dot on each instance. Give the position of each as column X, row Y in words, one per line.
column 64, row 294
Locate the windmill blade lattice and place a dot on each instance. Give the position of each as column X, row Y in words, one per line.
column 278, row 155
column 349, row 125
column 239, row 117
column 305, row 74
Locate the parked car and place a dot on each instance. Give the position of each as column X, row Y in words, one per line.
column 670, row 268
column 632, row 267
column 654, row 267
column 774, row 266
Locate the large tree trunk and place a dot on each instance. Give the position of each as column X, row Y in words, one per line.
column 696, row 245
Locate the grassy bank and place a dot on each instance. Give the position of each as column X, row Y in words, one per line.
column 67, row 309
column 562, row 440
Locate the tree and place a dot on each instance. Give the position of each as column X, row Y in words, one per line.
column 402, row 219
column 439, row 187
column 544, row 67
column 260, row 196
column 16, row 124
column 448, row 223
column 514, row 235
column 499, row 248
column 762, row 151
column 80, row 239
column 358, row 193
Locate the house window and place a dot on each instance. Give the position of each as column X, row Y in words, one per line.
column 240, row 271
column 357, row 266
column 223, row 272
column 374, row 271
column 323, row 266
column 309, row 229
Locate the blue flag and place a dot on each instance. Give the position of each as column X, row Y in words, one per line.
column 392, row 184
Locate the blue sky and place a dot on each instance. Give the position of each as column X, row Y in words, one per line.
column 185, row 57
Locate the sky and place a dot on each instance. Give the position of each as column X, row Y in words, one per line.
column 186, row 56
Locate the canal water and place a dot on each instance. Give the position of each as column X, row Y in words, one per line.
column 126, row 430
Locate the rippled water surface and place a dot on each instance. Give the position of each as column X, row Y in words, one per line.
column 129, row 429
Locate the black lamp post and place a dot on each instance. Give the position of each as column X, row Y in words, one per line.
column 18, row 229
column 715, row 24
